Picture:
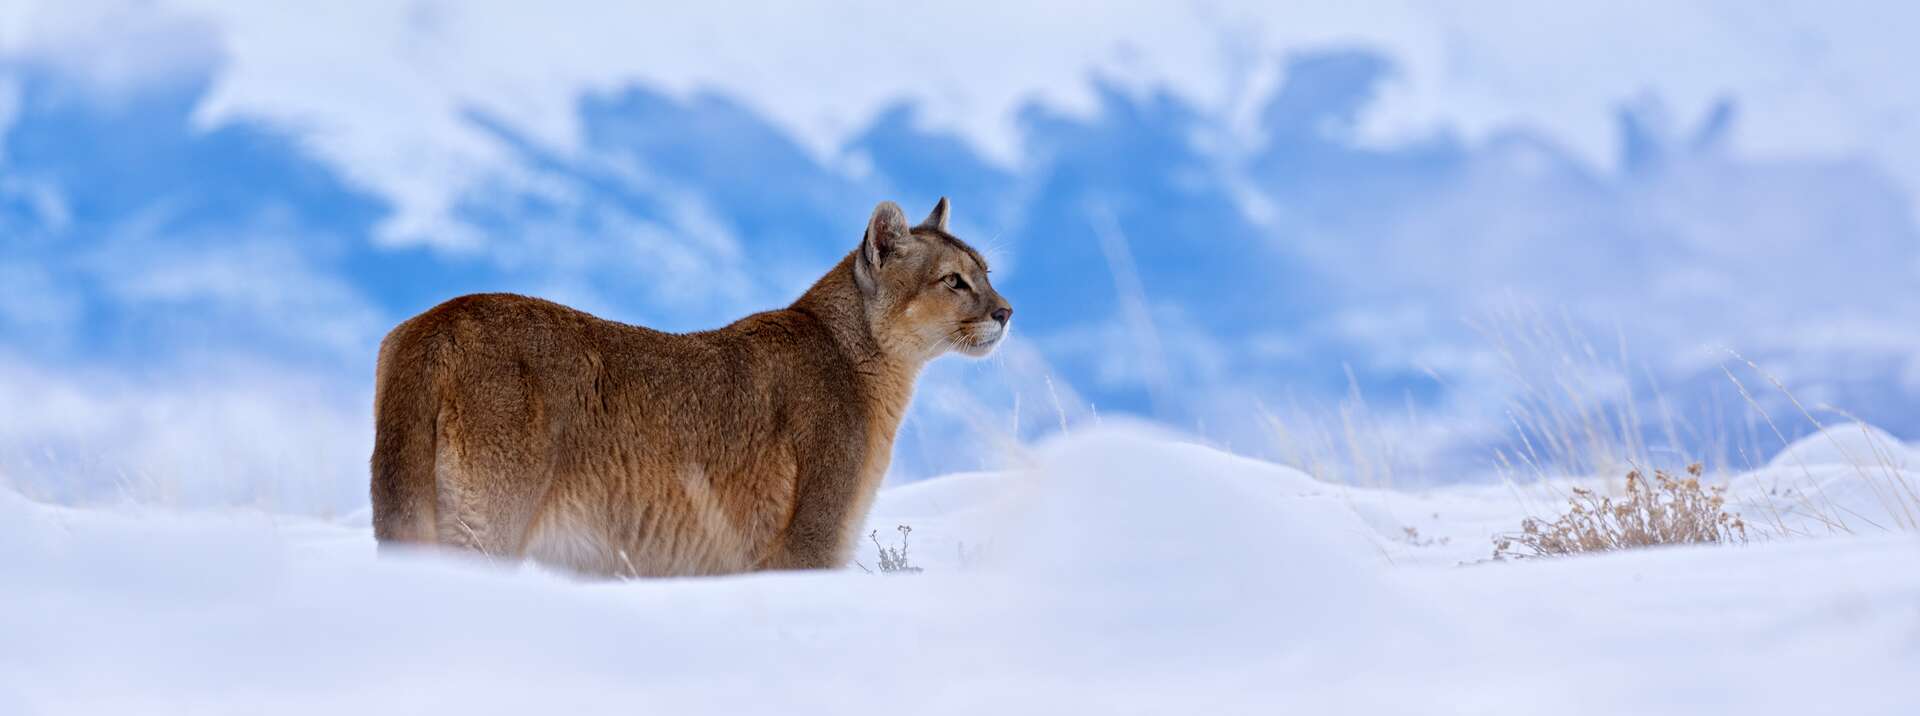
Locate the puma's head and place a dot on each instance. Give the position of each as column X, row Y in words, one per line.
column 927, row 292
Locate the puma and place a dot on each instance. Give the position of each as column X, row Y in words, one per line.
column 524, row 429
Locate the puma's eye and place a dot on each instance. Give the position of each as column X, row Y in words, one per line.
column 954, row 282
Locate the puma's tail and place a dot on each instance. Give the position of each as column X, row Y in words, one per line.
column 405, row 409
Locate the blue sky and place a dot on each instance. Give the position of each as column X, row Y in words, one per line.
column 209, row 215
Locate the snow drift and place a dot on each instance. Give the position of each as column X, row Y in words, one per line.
column 1117, row 572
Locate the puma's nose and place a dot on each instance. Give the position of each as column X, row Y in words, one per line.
column 1002, row 314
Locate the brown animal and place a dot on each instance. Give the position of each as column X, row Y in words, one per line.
column 522, row 428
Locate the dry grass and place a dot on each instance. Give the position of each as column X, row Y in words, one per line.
column 1573, row 410
column 1577, row 409
column 892, row 560
column 1890, row 486
column 1362, row 446
column 1668, row 510
column 1576, row 404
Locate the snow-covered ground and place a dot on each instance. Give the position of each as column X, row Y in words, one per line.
column 1119, row 571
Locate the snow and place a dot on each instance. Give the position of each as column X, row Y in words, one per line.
column 1843, row 478
column 1849, row 445
column 1115, row 571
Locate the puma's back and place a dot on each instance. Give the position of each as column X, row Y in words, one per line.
column 521, row 428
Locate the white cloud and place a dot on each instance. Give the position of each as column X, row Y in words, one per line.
column 379, row 86
column 108, row 47
column 9, row 111
column 35, row 302
column 263, row 281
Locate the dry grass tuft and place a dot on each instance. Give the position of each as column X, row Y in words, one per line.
column 1667, row 510
column 892, row 560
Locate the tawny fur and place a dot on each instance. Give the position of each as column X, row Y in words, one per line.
column 521, row 428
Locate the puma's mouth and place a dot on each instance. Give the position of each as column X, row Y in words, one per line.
column 980, row 340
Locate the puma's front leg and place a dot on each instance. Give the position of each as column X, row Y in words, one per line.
column 830, row 504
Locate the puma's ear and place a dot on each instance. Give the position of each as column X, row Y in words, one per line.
column 886, row 232
column 937, row 219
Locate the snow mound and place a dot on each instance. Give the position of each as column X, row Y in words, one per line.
column 1118, row 572
column 951, row 493
column 1849, row 478
column 1185, row 545
column 1850, row 444
column 1125, row 511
